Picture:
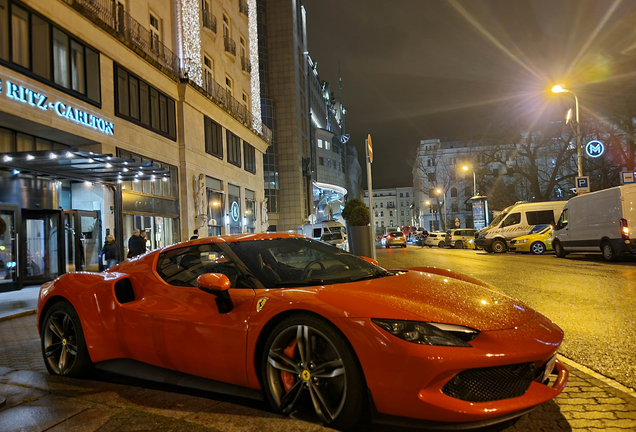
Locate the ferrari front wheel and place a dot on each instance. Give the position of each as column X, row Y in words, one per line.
column 63, row 345
column 311, row 373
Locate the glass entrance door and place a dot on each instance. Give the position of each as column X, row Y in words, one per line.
column 90, row 241
column 40, row 260
column 9, row 236
column 71, row 252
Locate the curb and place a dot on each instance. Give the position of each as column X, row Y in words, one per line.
column 18, row 315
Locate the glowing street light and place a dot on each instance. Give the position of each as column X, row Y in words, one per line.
column 467, row 168
column 579, row 154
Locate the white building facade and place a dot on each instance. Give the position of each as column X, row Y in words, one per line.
column 392, row 207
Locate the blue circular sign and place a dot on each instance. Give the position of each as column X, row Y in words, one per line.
column 234, row 211
column 594, row 148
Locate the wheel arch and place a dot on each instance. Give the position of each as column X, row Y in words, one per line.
column 276, row 319
column 47, row 306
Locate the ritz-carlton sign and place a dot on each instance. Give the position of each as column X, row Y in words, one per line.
column 38, row 100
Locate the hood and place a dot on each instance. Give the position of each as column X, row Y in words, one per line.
column 435, row 298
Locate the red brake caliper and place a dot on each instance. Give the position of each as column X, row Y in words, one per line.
column 287, row 377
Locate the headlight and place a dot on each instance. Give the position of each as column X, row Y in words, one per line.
column 522, row 241
column 428, row 333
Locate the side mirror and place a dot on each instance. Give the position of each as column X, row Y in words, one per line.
column 370, row 260
column 218, row 285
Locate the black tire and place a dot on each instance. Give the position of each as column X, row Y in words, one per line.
column 430, row 246
column 335, row 396
column 537, row 248
column 459, row 244
column 404, row 246
column 558, row 249
column 441, row 244
column 498, row 246
column 63, row 344
column 609, row 254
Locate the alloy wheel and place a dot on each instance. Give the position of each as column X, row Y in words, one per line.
column 306, row 375
column 60, row 342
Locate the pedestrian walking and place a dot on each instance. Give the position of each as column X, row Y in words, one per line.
column 195, row 234
column 136, row 244
column 110, row 253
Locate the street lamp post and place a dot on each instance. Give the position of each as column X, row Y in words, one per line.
column 579, row 153
column 466, row 168
column 439, row 192
column 430, row 211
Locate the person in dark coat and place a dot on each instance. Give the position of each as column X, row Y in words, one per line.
column 136, row 245
column 110, row 253
column 195, row 234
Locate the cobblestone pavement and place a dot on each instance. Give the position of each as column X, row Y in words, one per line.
column 37, row 401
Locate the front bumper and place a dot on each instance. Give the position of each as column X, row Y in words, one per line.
column 406, row 380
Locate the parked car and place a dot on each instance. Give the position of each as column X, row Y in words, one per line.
column 598, row 221
column 517, row 220
column 337, row 239
column 537, row 243
column 458, row 238
column 321, row 334
column 395, row 239
column 436, row 238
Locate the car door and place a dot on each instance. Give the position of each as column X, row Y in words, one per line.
column 177, row 326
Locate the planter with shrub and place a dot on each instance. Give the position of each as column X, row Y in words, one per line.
column 357, row 216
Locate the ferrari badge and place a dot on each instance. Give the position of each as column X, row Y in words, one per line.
column 260, row 304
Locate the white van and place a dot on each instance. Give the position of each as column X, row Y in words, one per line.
column 519, row 219
column 598, row 221
column 317, row 230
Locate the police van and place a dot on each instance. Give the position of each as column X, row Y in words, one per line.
column 519, row 219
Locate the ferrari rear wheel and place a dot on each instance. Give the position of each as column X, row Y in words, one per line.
column 310, row 373
column 63, row 345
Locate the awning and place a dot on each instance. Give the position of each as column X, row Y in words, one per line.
column 74, row 164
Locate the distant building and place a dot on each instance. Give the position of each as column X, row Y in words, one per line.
column 392, row 207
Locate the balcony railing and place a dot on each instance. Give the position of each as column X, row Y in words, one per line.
column 109, row 14
column 112, row 14
column 209, row 21
column 230, row 45
column 243, row 7
column 246, row 66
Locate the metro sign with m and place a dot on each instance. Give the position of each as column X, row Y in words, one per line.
column 594, row 148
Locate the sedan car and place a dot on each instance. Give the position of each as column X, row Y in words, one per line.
column 395, row 239
column 320, row 333
column 537, row 243
column 436, row 238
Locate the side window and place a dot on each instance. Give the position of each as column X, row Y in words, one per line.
column 563, row 220
column 512, row 219
column 182, row 267
column 543, row 217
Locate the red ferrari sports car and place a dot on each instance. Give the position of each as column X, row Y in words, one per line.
column 323, row 334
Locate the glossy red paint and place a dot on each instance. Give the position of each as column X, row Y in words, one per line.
column 180, row 328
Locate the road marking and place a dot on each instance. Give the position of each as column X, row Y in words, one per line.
column 610, row 382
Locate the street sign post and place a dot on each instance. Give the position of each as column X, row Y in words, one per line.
column 582, row 185
column 457, row 223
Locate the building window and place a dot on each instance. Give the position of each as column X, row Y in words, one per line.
column 328, row 162
column 158, row 187
column 327, row 145
column 454, row 193
column 321, row 160
column 249, row 156
column 407, row 194
column 213, row 138
column 391, row 213
column 454, row 207
column 32, row 40
column 229, row 85
column 155, row 32
column 401, row 195
column 233, row 149
column 140, row 103
column 468, row 191
column 208, row 69
column 319, row 143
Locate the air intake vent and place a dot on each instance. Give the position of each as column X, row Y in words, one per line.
column 490, row 384
column 124, row 291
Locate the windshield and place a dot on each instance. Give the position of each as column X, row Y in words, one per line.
column 545, row 230
column 294, row 262
column 331, row 236
column 501, row 215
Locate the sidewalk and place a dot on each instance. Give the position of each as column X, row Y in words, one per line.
column 36, row 401
column 17, row 303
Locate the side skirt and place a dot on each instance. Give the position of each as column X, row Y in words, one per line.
column 144, row 371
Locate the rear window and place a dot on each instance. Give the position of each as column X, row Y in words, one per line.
column 396, row 234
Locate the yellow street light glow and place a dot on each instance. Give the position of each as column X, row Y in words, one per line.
column 427, row 202
column 465, row 168
column 569, row 116
column 558, row 89
column 438, row 191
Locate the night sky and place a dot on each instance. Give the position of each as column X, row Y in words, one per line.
column 424, row 69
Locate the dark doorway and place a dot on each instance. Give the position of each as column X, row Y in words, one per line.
column 9, row 252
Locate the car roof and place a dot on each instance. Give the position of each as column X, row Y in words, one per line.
column 230, row 238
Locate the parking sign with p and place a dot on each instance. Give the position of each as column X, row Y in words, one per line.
column 582, row 185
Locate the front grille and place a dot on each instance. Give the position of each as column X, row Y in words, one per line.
column 513, row 242
column 492, row 383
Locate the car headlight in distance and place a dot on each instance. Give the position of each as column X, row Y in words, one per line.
column 428, row 333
